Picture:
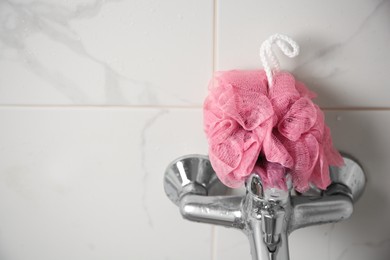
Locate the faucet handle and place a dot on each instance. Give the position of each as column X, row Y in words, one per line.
column 335, row 203
column 191, row 174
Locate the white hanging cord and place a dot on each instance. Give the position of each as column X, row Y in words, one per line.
column 287, row 45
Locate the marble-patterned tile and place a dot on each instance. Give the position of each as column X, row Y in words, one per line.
column 105, row 52
column 366, row 235
column 344, row 44
column 82, row 183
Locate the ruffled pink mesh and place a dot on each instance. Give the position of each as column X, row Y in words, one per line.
column 270, row 131
column 271, row 174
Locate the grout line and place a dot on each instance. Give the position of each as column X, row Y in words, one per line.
column 99, row 106
column 355, row 108
column 215, row 34
column 213, row 242
column 214, row 64
column 36, row 106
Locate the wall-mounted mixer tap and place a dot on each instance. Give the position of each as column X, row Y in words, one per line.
column 266, row 216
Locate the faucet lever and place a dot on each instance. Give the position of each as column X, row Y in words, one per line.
column 272, row 218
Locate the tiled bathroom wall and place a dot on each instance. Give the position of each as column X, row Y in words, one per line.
column 97, row 97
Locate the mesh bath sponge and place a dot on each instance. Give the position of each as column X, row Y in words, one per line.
column 265, row 122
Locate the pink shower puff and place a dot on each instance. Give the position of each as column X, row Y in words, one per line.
column 271, row 131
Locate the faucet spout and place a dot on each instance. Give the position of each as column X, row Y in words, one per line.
column 266, row 242
column 266, row 217
column 260, row 250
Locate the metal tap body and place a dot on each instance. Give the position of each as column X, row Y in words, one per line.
column 266, row 216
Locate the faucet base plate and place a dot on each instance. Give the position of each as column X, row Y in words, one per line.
column 350, row 175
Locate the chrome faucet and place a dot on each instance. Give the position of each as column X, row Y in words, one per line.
column 266, row 216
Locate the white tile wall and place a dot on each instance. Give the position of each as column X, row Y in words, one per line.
column 105, row 52
column 80, row 183
column 97, row 97
column 344, row 44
